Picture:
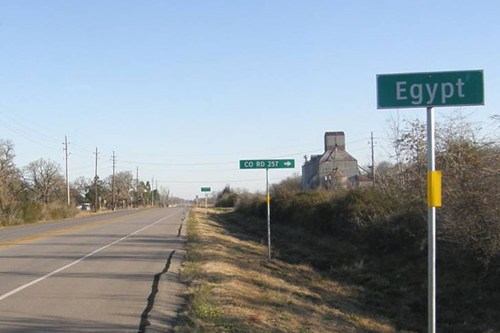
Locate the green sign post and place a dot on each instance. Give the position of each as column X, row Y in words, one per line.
column 268, row 164
column 413, row 90
column 428, row 90
column 205, row 190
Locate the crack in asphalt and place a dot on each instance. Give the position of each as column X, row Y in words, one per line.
column 180, row 230
column 152, row 296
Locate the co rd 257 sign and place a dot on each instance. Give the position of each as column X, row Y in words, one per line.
column 267, row 164
column 413, row 90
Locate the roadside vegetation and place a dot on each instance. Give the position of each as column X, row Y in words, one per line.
column 372, row 242
column 234, row 288
column 37, row 191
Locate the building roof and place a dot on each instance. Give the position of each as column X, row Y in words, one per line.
column 336, row 155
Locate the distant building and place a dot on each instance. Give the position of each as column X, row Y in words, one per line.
column 335, row 168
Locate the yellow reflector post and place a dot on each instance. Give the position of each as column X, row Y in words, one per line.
column 434, row 189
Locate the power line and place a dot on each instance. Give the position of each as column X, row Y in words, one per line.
column 26, row 136
column 234, row 162
column 238, row 153
column 32, row 132
column 83, row 167
column 35, row 133
column 215, row 181
column 66, row 153
column 175, row 164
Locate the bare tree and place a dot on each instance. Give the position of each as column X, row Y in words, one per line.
column 470, row 216
column 6, row 156
column 407, row 176
column 45, row 180
column 79, row 189
column 124, row 185
column 164, row 195
column 10, row 180
column 82, row 184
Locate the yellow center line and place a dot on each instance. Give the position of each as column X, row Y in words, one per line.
column 62, row 231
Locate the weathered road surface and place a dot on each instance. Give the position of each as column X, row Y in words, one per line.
column 108, row 273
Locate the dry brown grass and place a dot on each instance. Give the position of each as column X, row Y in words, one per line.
column 234, row 288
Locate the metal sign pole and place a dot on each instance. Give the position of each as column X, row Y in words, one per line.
column 431, row 218
column 206, row 205
column 268, row 199
column 268, row 164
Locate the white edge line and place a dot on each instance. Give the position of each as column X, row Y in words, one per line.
column 40, row 279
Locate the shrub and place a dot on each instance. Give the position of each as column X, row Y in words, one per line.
column 252, row 204
column 369, row 217
column 226, row 200
column 59, row 211
column 32, row 211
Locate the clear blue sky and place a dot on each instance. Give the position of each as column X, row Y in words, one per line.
column 185, row 89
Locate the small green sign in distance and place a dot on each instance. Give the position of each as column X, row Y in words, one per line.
column 413, row 90
column 206, row 189
column 267, row 164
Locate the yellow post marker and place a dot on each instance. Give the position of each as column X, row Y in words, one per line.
column 434, row 189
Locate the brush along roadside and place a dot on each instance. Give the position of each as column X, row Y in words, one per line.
column 232, row 287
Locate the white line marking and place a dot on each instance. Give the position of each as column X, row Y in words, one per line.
column 40, row 279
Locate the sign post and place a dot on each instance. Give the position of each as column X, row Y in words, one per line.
column 428, row 90
column 206, row 190
column 268, row 164
column 268, row 203
column 431, row 226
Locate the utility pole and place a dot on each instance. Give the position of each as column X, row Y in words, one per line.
column 152, row 192
column 137, row 186
column 113, row 182
column 373, row 161
column 65, row 143
column 96, row 178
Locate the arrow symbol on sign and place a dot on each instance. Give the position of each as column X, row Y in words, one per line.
column 288, row 163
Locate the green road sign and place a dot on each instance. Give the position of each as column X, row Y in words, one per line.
column 267, row 164
column 206, row 189
column 413, row 90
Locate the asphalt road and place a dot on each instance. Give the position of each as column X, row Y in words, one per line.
column 110, row 273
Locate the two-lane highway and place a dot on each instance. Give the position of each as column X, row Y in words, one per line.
column 111, row 273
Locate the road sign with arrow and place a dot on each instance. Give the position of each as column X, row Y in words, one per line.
column 267, row 164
